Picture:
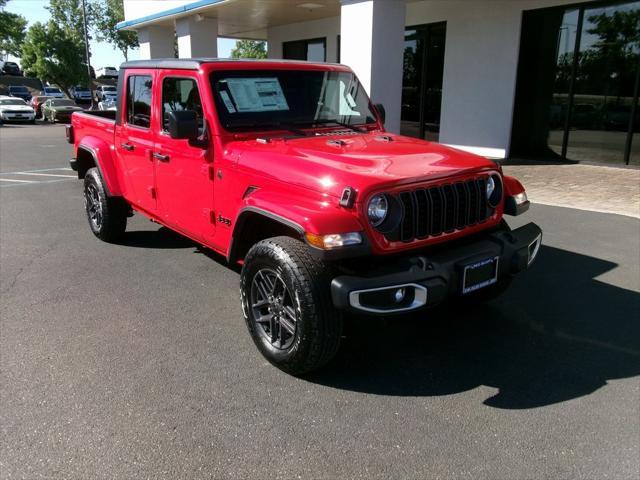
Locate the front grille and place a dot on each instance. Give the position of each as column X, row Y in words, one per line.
column 442, row 209
column 18, row 112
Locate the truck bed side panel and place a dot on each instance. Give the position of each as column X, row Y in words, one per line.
column 96, row 134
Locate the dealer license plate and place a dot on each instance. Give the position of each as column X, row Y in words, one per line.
column 479, row 275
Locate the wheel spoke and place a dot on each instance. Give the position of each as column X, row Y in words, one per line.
column 265, row 318
column 288, row 325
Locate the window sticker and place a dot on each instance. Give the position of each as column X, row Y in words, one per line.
column 257, row 94
column 227, row 102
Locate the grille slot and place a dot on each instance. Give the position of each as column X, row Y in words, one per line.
column 442, row 209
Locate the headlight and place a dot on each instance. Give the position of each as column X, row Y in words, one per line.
column 494, row 190
column 377, row 209
column 491, row 186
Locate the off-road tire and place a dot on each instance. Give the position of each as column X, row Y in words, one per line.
column 318, row 323
column 113, row 210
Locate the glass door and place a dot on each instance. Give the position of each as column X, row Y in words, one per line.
column 422, row 81
column 577, row 88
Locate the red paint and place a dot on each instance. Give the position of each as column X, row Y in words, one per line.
column 299, row 179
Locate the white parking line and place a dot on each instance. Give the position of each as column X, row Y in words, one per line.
column 17, row 180
column 45, row 174
column 35, row 171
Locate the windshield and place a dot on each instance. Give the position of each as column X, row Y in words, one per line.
column 52, row 90
column 63, row 103
column 108, row 89
column 282, row 98
column 18, row 89
column 15, row 101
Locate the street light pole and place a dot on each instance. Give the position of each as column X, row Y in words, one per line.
column 86, row 49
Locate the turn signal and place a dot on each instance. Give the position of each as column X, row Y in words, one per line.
column 334, row 240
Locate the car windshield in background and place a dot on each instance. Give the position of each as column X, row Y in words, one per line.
column 52, row 90
column 283, row 99
column 13, row 101
column 63, row 103
column 18, row 89
column 108, row 89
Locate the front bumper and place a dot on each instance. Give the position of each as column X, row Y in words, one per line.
column 418, row 281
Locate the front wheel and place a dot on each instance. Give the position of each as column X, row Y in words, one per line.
column 286, row 302
column 107, row 215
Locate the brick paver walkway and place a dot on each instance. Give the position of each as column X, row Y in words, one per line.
column 586, row 187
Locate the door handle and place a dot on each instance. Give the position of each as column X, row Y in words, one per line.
column 161, row 157
column 127, row 146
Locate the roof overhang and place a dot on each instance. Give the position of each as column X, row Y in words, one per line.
column 240, row 18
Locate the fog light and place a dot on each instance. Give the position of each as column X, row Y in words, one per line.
column 399, row 295
column 520, row 198
column 334, row 240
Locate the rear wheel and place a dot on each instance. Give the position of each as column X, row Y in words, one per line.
column 287, row 305
column 107, row 215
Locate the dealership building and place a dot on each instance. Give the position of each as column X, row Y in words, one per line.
column 539, row 79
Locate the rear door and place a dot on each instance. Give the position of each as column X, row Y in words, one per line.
column 135, row 138
column 184, row 171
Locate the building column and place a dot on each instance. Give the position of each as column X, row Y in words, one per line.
column 372, row 44
column 156, row 42
column 197, row 36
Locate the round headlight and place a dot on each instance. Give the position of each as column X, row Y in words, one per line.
column 494, row 190
column 491, row 186
column 377, row 209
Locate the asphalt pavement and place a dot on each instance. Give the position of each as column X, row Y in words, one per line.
column 132, row 360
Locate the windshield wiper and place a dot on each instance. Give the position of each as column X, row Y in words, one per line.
column 326, row 121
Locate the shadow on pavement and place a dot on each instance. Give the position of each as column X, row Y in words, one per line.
column 557, row 334
column 163, row 238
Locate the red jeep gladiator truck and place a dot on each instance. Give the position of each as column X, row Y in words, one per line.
column 286, row 168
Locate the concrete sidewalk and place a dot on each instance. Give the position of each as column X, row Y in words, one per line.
column 585, row 187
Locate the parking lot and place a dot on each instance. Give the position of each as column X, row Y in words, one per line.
column 133, row 361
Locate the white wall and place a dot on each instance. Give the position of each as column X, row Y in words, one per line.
column 325, row 27
column 134, row 9
column 481, row 61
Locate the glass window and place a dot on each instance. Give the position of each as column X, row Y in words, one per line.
column 179, row 94
column 139, row 100
column 285, row 98
column 314, row 50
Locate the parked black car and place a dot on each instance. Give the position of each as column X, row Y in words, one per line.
column 20, row 91
column 11, row 68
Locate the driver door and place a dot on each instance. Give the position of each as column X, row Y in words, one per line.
column 184, row 170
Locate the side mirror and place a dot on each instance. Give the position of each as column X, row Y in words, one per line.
column 183, row 125
column 381, row 112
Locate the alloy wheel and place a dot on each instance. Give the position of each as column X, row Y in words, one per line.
column 94, row 207
column 273, row 309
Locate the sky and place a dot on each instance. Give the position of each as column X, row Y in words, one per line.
column 102, row 53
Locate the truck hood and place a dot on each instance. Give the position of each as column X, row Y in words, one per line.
column 365, row 162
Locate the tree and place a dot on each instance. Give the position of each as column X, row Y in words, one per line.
column 67, row 14
column 249, row 49
column 51, row 53
column 107, row 15
column 12, row 30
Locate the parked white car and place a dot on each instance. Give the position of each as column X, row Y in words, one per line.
column 107, row 72
column 14, row 109
column 53, row 92
column 106, row 91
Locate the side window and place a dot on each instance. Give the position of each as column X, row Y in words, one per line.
column 180, row 94
column 139, row 100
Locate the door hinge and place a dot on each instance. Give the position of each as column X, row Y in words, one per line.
column 212, row 173
column 212, row 217
column 152, row 192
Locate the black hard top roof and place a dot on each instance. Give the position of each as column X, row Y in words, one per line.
column 194, row 63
